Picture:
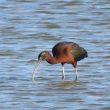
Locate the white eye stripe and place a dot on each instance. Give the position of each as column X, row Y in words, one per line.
column 43, row 53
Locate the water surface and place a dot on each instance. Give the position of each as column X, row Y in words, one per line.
column 27, row 27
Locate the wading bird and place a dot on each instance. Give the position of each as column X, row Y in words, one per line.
column 63, row 52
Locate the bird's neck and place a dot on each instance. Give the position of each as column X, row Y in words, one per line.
column 51, row 59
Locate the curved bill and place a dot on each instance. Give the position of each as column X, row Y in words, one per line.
column 35, row 69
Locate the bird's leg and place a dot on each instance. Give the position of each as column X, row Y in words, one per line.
column 75, row 67
column 76, row 73
column 63, row 72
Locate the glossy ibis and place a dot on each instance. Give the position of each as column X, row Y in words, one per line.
column 63, row 52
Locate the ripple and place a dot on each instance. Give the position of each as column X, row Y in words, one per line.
column 27, row 28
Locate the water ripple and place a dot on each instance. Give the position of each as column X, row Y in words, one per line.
column 28, row 27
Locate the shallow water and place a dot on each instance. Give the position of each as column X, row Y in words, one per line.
column 28, row 27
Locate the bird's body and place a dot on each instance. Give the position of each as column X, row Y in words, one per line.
column 64, row 52
column 69, row 52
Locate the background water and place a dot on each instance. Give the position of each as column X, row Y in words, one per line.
column 29, row 26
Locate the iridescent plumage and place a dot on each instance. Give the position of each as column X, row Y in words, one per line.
column 64, row 52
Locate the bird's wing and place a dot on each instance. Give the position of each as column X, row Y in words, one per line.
column 79, row 53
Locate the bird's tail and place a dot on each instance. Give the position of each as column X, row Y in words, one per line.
column 79, row 53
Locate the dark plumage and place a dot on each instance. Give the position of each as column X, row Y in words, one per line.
column 67, row 48
column 64, row 52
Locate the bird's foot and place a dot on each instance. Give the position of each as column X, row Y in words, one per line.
column 76, row 79
column 63, row 78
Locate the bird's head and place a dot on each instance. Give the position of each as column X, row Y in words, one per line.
column 41, row 57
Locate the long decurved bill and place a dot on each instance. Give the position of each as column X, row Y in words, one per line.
column 36, row 68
